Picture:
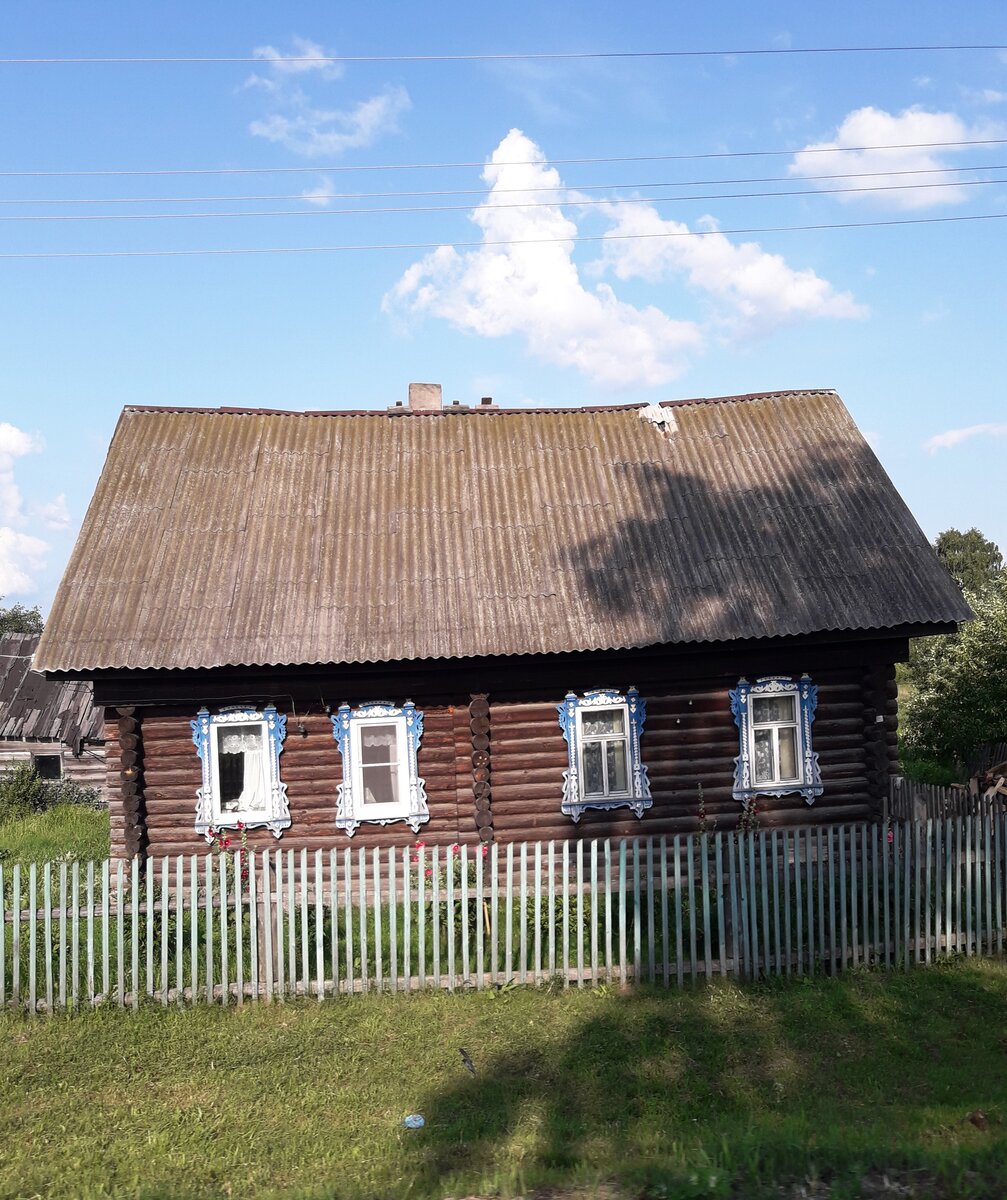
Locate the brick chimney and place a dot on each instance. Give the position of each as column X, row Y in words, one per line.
column 425, row 397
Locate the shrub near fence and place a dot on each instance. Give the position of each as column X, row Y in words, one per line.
column 237, row 927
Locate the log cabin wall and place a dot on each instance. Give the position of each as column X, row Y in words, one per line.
column 310, row 766
column 689, row 740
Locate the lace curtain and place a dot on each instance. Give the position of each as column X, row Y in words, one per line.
column 378, row 737
column 248, row 743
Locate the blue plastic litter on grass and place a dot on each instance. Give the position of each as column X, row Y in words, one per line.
column 414, row 1121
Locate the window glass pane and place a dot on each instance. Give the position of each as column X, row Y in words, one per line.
column 46, row 765
column 616, row 752
column 379, row 744
column 241, row 768
column 766, row 709
column 764, row 772
column 603, row 721
column 381, row 784
column 594, row 782
column 788, row 753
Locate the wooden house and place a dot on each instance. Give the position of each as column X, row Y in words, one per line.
column 453, row 622
column 54, row 725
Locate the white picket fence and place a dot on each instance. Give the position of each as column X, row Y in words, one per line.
column 231, row 929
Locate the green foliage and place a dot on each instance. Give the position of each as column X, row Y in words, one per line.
column 17, row 619
column 859, row 1085
column 960, row 696
column 66, row 832
column 24, row 791
column 972, row 559
column 925, row 770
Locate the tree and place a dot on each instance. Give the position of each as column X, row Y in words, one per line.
column 960, row 697
column 971, row 558
column 18, row 619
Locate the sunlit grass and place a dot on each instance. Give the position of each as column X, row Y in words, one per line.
column 718, row 1091
column 70, row 831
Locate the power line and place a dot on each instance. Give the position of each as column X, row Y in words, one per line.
column 567, row 187
column 439, row 208
column 338, row 59
column 612, row 237
column 525, row 162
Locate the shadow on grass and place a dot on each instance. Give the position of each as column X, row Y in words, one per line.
column 828, row 1078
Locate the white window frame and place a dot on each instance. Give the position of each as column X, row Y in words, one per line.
column 206, row 730
column 636, row 796
column 624, row 737
column 808, row 782
column 348, row 726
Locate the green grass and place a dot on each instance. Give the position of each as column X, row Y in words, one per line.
column 68, row 831
column 718, row 1091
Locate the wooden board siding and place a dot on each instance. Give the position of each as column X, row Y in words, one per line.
column 88, row 769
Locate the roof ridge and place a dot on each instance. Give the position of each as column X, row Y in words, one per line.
column 569, row 409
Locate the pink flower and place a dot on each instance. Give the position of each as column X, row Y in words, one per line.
column 455, row 848
column 484, row 850
column 420, row 845
column 429, row 871
column 891, row 836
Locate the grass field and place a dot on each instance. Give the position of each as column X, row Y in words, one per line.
column 714, row 1092
column 70, row 830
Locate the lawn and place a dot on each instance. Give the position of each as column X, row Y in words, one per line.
column 67, row 830
column 719, row 1091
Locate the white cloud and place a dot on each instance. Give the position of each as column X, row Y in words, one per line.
column 757, row 291
column 314, row 132
column 954, row 437
column 294, row 63
column 923, row 81
column 20, row 553
column 55, row 514
column 984, row 95
column 321, row 194
column 14, row 444
column 533, row 290
column 523, row 280
column 875, row 127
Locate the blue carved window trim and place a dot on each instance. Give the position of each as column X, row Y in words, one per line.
column 809, row 783
column 637, row 795
column 347, row 724
column 205, row 732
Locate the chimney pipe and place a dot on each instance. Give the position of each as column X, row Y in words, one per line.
column 425, row 397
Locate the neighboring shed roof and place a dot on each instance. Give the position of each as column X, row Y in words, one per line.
column 229, row 537
column 35, row 708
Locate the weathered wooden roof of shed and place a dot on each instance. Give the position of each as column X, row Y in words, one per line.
column 242, row 537
column 33, row 708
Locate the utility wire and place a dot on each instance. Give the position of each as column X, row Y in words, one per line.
column 438, row 208
column 524, row 162
column 610, row 237
column 323, row 59
column 567, row 187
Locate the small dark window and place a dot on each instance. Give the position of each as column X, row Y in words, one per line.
column 47, row 766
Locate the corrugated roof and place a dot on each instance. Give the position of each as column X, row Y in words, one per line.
column 33, row 707
column 252, row 538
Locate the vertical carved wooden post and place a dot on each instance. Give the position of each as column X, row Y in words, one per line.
column 479, row 723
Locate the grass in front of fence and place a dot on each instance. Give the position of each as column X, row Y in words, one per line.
column 662, row 1094
column 67, row 831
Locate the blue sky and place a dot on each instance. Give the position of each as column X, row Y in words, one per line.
column 906, row 321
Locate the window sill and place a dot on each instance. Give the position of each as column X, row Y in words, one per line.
column 576, row 808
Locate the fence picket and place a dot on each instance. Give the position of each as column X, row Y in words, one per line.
column 579, row 864
column 90, row 933
column 480, row 920
column 120, row 955
column 179, row 927
column 62, row 937
column 393, row 923
column 936, row 887
column 208, row 905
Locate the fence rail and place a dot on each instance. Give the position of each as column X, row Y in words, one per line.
column 235, row 928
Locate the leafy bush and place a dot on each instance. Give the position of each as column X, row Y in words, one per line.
column 960, row 699
column 926, row 770
column 24, row 791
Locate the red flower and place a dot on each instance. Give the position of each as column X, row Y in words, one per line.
column 891, row 836
column 226, row 842
column 241, row 825
column 455, row 848
column 429, row 871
